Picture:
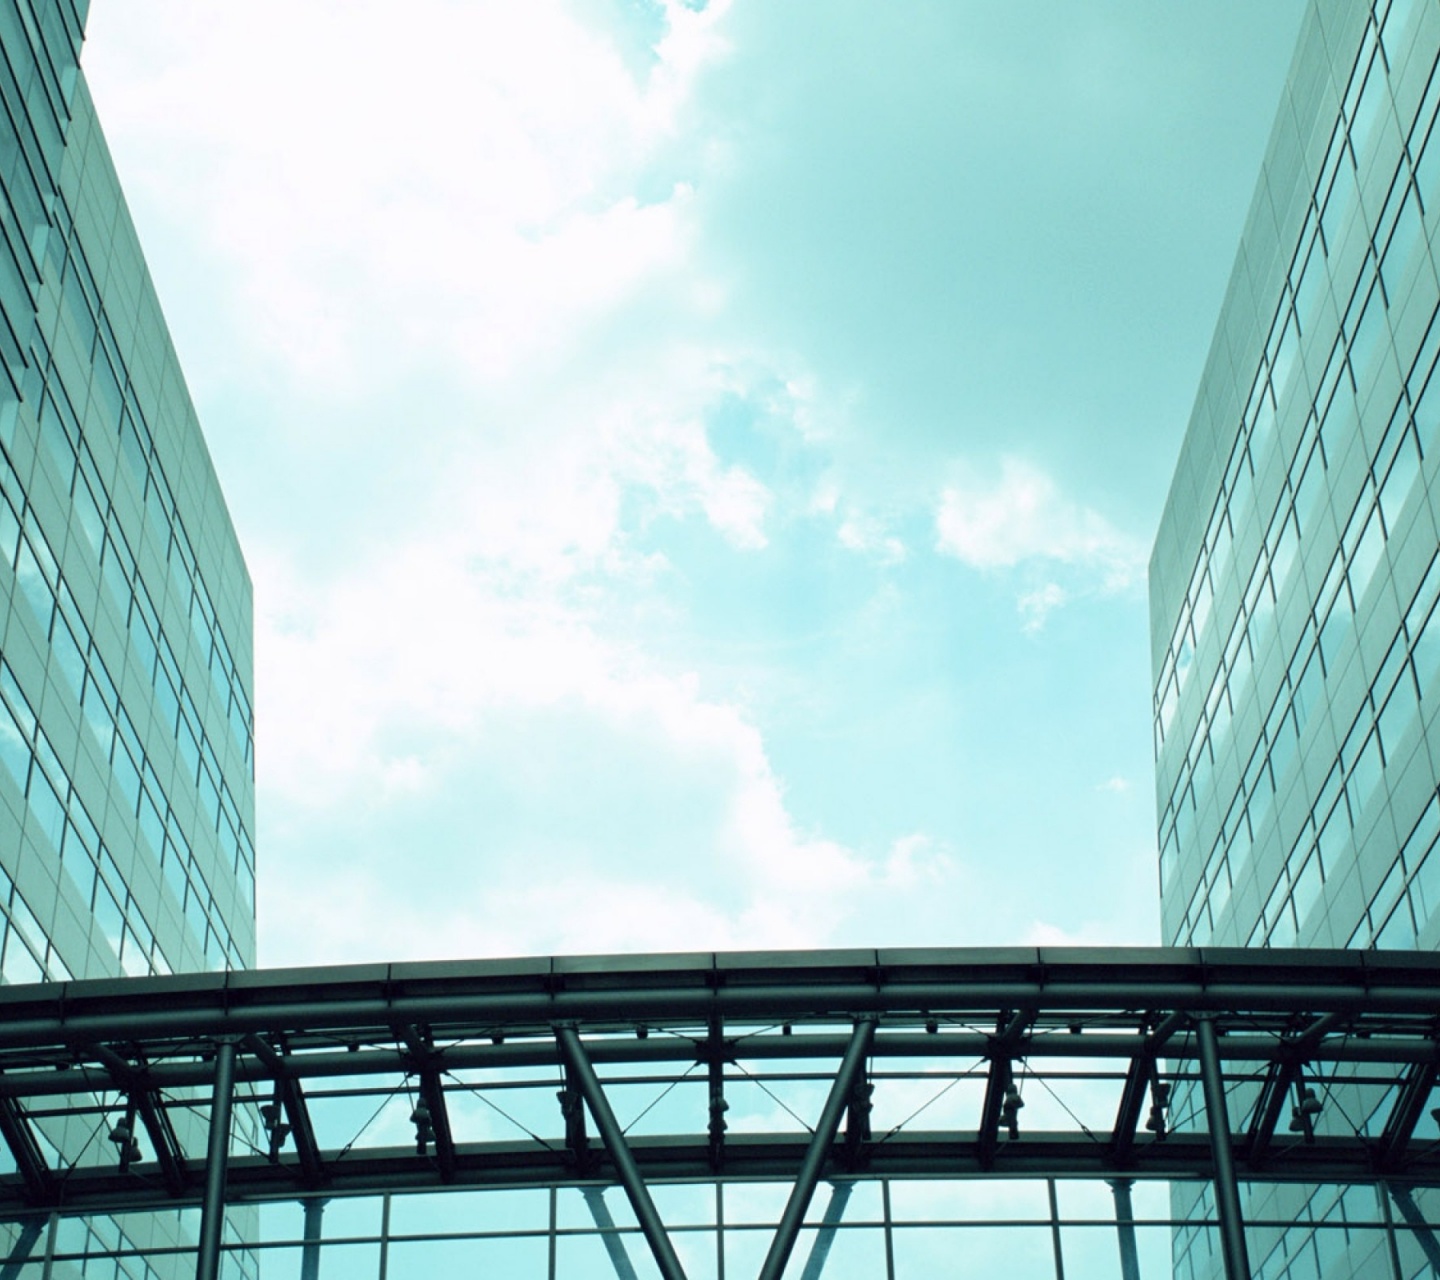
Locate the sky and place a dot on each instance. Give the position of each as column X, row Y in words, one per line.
column 697, row 462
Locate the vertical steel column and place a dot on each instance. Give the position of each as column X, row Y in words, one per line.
column 1125, row 1228
column 819, row 1148
column 1055, row 1229
column 719, row 1231
column 384, row 1235
column 889, row 1230
column 1227, row 1190
column 310, row 1250
column 51, row 1236
column 554, row 1224
column 579, row 1063
column 1392, row 1248
column 212, row 1210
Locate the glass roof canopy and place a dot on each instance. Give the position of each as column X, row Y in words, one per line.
column 669, row 1113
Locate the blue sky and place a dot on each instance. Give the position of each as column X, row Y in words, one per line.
column 697, row 462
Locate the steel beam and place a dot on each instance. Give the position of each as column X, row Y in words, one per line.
column 15, row 1129
column 1405, row 1115
column 1376, row 1048
column 23, row 1247
column 1305, row 1043
column 715, row 1058
column 1000, row 1049
column 275, row 1063
column 52, row 1238
column 133, row 1079
column 1000, row 1077
column 314, row 1233
column 1132, row 1103
column 163, row 1140
column 302, row 1132
column 540, row 992
column 1415, row 1220
column 1164, row 1030
column 1055, row 1244
column 1280, row 1076
column 656, row 1236
column 434, row 1094
column 212, row 1209
column 609, row 1233
column 1374, row 1012
column 572, row 1111
column 1012, row 1029
column 857, row 1121
column 987, row 1139
column 524, row 1163
column 840, row 1193
column 1227, row 1191
column 1125, row 1229
column 818, row 1149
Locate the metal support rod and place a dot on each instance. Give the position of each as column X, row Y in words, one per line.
column 1227, row 1190
column 840, row 1193
column 625, row 1166
column 162, row 1138
column 52, row 1237
column 1392, row 1249
column 1406, row 1113
column 1415, row 1220
column 609, row 1234
column 24, row 1245
column 1132, row 1103
column 310, row 1250
column 889, row 1231
column 715, row 1070
column 550, row 1235
column 29, row 1159
column 1055, row 1229
column 302, row 1132
column 719, row 1230
column 1279, row 1080
column 815, row 1155
column 1001, row 1075
column 212, row 1210
column 385, row 1233
column 1125, row 1229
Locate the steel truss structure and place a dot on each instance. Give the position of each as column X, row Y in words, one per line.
column 1246, row 1039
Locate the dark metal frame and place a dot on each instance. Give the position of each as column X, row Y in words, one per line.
column 1210, row 1018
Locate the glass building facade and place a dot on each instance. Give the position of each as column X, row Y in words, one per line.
column 126, row 793
column 1295, row 641
column 126, row 734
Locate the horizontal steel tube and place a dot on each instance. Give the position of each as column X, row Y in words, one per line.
column 162, row 1019
column 35, row 1083
column 748, row 1158
column 955, row 981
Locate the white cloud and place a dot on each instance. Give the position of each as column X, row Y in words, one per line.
column 455, row 186
column 868, row 536
column 428, row 644
column 1044, row 934
column 915, row 860
column 444, row 250
column 1036, row 606
column 1022, row 521
column 1025, row 517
